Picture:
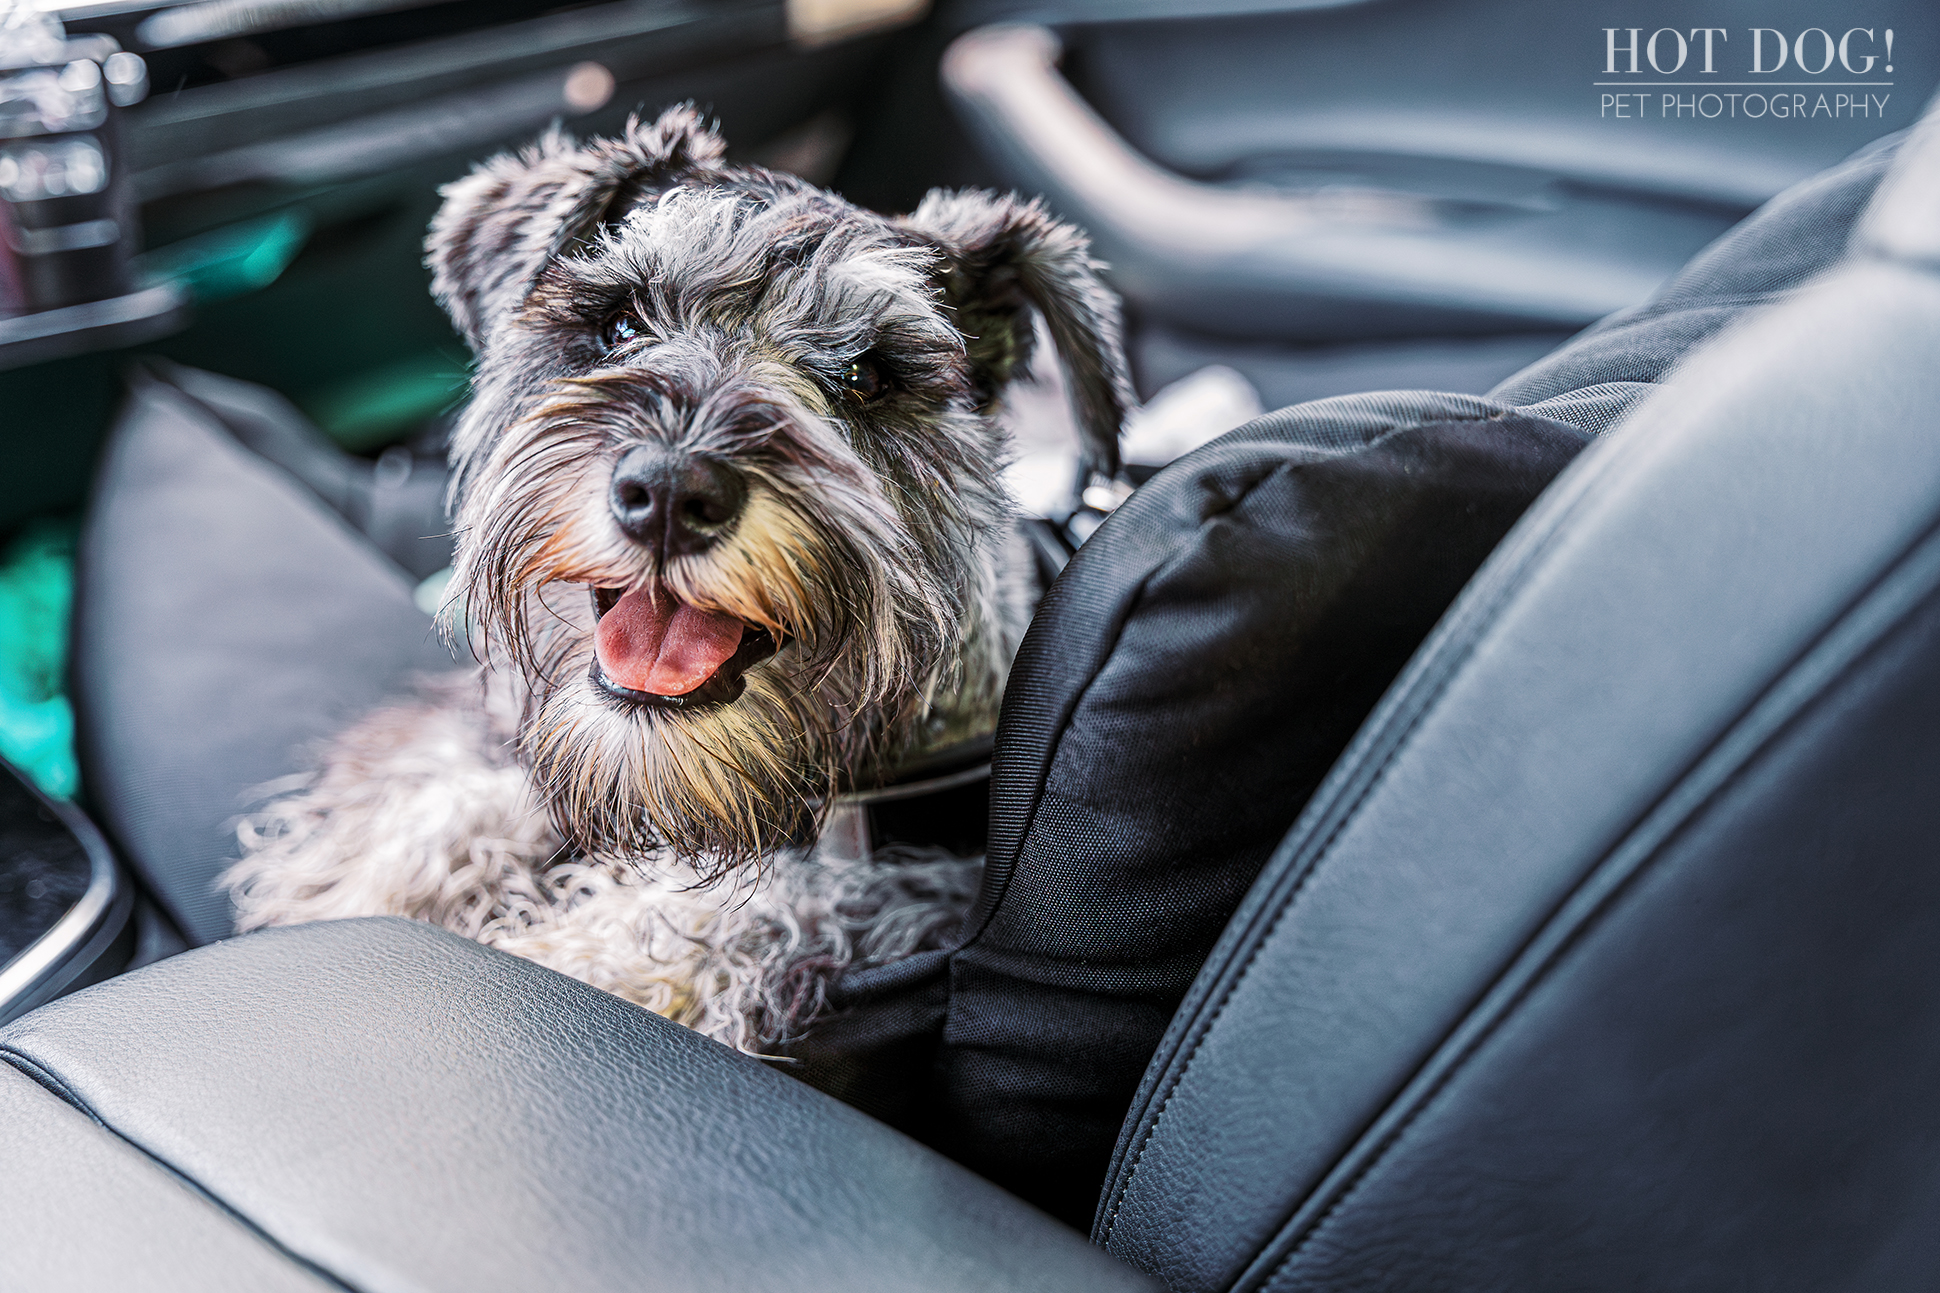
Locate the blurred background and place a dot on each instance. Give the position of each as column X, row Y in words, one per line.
column 1296, row 199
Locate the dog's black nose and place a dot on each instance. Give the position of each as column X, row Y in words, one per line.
column 673, row 503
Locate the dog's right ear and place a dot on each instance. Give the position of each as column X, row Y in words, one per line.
column 501, row 225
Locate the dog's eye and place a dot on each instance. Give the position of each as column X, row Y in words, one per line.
column 619, row 330
column 863, row 381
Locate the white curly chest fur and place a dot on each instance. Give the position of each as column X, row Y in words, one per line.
column 420, row 812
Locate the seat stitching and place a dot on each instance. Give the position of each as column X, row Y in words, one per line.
column 1778, row 708
column 47, row 1078
column 1043, row 777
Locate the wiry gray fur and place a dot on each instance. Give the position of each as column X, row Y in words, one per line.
column 877, row 545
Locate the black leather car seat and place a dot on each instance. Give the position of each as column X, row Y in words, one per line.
column 1605, row 957
column 1602, row 959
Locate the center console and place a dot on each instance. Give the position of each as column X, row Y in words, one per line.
column 64, row 906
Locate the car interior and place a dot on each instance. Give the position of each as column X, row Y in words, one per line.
column 1460, row 829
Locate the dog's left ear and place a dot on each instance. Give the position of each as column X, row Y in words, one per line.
column 1001, row 256
column 500, row 225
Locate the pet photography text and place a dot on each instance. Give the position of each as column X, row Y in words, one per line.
column 1689, row 73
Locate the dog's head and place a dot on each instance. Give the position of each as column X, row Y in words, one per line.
column 728, row 492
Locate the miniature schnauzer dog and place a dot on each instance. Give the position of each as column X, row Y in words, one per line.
column 732, row 541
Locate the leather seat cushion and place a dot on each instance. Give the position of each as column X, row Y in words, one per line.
column 382, row 1105
column 226, row 617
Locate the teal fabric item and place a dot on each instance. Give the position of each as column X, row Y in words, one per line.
column 36, row 588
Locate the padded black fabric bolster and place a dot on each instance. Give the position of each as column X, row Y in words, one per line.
column 1187, row 683
column 403, row 1109
column 1222, row 641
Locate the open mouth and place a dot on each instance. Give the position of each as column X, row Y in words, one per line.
column 654, row 649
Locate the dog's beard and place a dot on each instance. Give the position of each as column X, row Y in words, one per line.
column 866, row 617
column 722, row 785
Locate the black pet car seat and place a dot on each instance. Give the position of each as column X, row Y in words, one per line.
column 1601, row 959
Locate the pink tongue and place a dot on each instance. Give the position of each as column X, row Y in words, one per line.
column 661, row 646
